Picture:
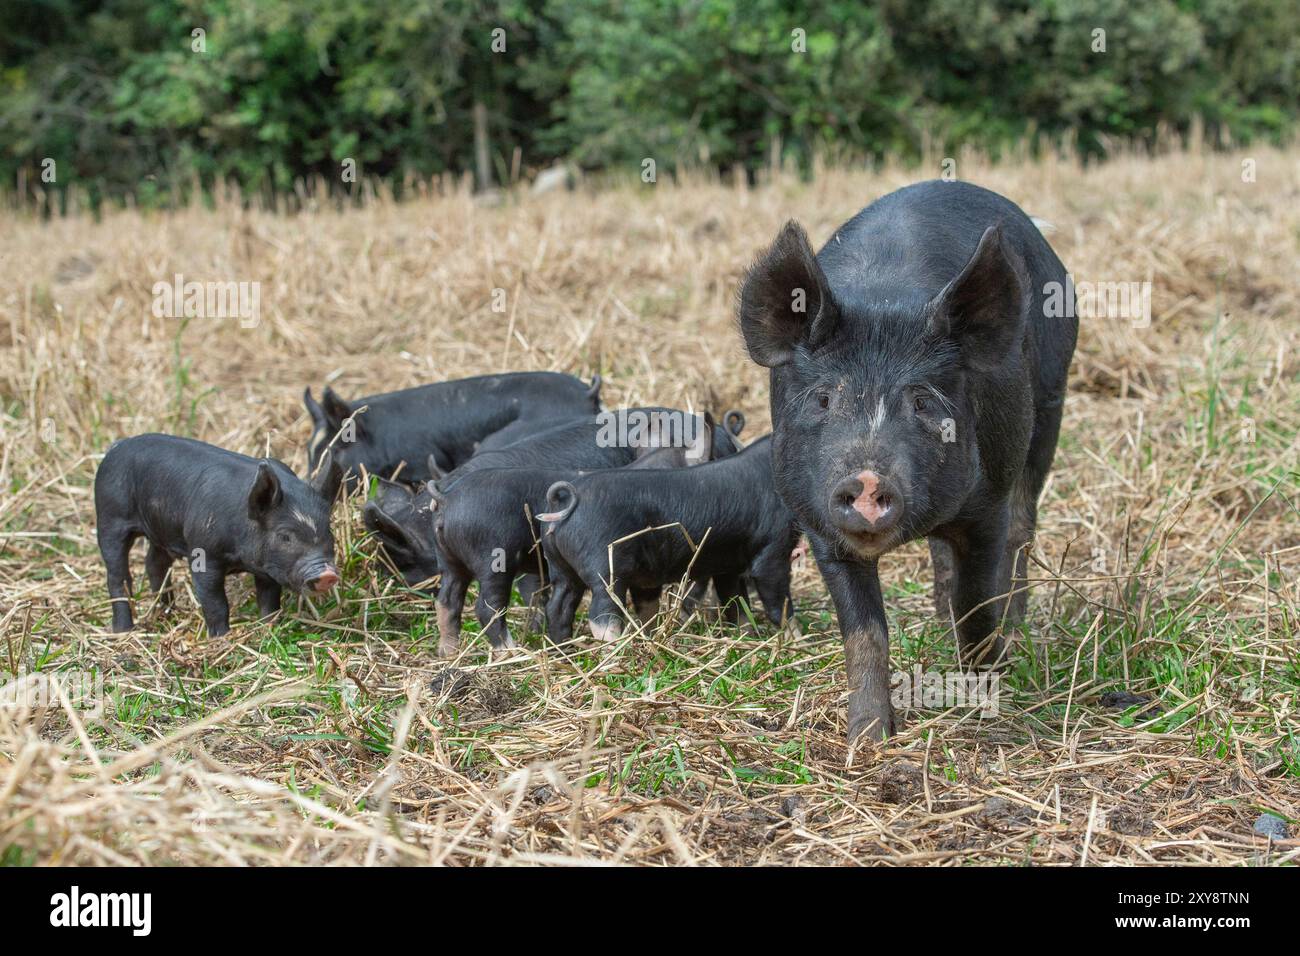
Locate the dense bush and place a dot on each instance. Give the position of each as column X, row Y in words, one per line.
column 116, row 94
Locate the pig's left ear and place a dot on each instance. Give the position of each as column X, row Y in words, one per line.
column 785, row 300
column 983, row 308
column 266, row 493
column 313, row 408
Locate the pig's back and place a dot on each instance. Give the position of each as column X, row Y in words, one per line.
column 911, row 242
column 160, row 483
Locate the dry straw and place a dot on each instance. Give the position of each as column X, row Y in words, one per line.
column 1166, row 562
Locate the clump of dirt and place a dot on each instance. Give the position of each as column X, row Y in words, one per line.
column 900, row 783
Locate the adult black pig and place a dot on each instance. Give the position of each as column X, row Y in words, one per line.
column 917, row 381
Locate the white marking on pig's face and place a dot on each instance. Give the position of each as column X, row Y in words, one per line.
column 878, row 418
column 304, row 520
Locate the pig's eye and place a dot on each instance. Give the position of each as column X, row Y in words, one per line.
column 920, row 404
column 823, row 400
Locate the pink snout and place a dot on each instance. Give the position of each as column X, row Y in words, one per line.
column 865, row 502
column 328, row 579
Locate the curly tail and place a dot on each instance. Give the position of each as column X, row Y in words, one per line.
column 555, row 495
column 594, row 391
column 735, row 421
column 437, row 498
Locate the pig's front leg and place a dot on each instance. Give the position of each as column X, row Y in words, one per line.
column 268, row 595
column 860, row 610
column 979, row 589
column 732, row 591
column 941, row 562
column 646, row 602
column 210, row 589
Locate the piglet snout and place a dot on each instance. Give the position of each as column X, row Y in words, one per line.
column 327, row 579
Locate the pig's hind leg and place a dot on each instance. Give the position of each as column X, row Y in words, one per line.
column 158, row 563
column 115, row 548
column 604, row 616
column 1013, row 573
column 451, row 604
column 493, row 598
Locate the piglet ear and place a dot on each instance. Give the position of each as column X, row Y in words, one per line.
column 337, row 411
column 266, row 493
column 392, row 495
column 313, row 408
column 379, row 521
column 983, row 308
column 785, row 300
column 705, row 439
column 328, row 477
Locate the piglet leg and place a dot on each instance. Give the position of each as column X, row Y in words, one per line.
column 451, row 604
column 604, row 616
column 490, row 608
column 115, row 548
column 157, row 563
column 268, row 595
column 210, row 589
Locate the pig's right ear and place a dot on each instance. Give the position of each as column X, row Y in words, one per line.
column 266, row 493
column 328, row 477
column 785, row 300
column 313, row 408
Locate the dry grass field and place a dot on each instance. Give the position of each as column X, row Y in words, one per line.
column 1149, row 713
